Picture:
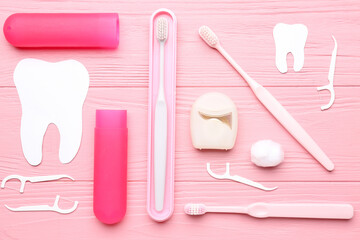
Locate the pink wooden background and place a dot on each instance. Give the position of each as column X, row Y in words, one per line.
column 119, row 80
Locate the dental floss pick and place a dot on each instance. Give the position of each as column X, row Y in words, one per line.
column 236, row 178
column 330, row 86
column 47, row 208
column 35, row 179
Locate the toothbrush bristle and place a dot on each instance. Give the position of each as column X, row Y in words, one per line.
column 162, row 29
column 208, row 36
column 195, row 209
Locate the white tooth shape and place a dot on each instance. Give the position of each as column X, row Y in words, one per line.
column 51, row 93
column 290, row 38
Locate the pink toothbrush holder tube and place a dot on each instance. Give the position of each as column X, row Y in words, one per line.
column 110, row 165
column 62, row 30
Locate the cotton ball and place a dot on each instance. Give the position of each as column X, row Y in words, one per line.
column 267, row 153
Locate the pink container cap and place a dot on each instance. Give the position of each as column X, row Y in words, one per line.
column 111, row 119
column 110, row 166
column 62, row 30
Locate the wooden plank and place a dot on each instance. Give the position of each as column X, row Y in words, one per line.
column 119, row 80
column 337, row 131
column 82, row 224
column 329, row 129
column 244, row 28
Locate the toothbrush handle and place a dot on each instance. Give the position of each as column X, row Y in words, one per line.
column 160, row 147
column 301, row 210
column 292, row 126
column 280, row 113
column 160, row 138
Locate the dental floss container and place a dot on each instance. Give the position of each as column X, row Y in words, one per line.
column 62, row 30
column 110, row 165
column 213, row 122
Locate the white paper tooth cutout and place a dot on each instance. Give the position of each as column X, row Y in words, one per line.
column 51, row 93
column 290, row 38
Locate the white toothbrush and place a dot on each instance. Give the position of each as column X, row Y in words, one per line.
column 160, row 145
column 274, row 107
column 285, row 210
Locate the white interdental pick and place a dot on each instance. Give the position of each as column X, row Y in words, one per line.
column 330, row 86
column 270, row 102
column 160, row 141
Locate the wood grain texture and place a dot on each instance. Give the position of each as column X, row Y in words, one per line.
column 336, row 131
column 244, row 28
column 137, row 225
column 119, row 80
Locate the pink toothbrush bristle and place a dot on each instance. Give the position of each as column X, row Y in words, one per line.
column 208, row 36
column 195, row 209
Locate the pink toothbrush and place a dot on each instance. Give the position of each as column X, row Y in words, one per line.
column 284, row 210
column 274, row 107
column 161, row 139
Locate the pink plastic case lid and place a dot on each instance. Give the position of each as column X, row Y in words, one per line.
column 58, row 30
column 111, row 119
column 110, row 165
column 170, row 95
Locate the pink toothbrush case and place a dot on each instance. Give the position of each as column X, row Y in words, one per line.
column 110, row 165
column 170, row 95
column 57, row 30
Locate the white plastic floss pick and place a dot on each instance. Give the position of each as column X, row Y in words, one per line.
column 330, row 86
column 236, row 178
column 47, row 208
column 36, row 179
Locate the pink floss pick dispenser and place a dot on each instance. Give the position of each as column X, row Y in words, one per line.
column 62, row 30
column 110, row 165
